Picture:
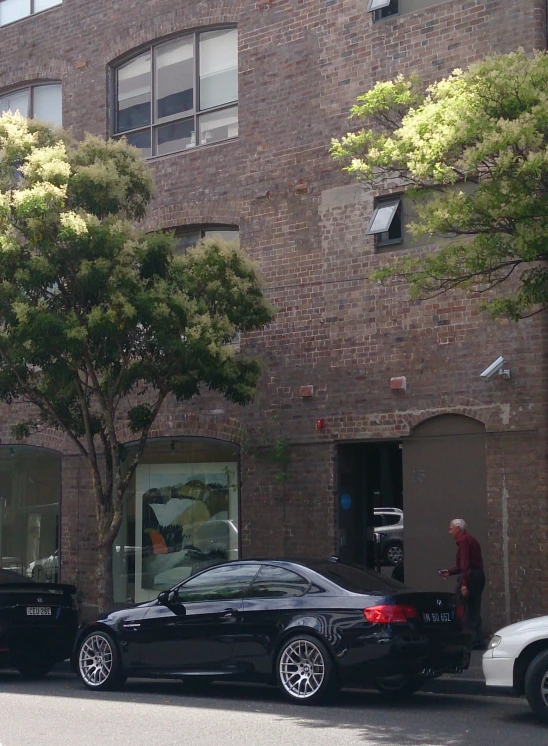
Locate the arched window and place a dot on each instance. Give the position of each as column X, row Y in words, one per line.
column 41, row 101
column 179, row 94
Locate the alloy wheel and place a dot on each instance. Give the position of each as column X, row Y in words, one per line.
column 95, row 660
column 302, row 669
column 394, row 554
column 544, row 689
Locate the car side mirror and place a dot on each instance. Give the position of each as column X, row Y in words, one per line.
column 168, row 598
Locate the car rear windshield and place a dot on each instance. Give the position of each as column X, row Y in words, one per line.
column 10, row 576
column 356, row 579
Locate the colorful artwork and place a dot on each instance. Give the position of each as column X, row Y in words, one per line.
column 186, row 520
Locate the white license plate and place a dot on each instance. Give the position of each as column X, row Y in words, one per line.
column 38, row 610
column 439, row 617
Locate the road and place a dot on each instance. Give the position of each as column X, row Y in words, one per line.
column 60, row 712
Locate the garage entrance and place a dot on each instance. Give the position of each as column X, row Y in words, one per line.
column 436, row 474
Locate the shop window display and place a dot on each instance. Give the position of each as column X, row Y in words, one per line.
column 180, row 518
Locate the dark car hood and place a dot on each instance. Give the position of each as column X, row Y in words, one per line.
column 111, row 617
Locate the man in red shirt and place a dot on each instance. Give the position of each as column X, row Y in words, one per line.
column 469, row 567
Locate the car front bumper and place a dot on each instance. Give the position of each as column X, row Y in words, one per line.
column 498, row 672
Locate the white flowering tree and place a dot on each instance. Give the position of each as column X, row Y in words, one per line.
column 100, row 322
column 487, row 127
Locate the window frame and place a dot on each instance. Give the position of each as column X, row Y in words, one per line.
column 31, row 87
column 195, row 113
column 388, row 9
column 33, row 12
column 386, row 201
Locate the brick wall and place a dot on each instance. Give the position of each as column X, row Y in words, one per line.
column 302, row 64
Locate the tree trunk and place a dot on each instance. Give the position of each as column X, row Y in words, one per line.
column 105, row 594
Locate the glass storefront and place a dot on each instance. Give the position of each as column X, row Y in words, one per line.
column 180, row 515
column 30, row 488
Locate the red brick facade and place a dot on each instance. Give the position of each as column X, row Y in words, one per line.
column 301, row 65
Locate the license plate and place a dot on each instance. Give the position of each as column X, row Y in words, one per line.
column 38, row 610
column 437, row 617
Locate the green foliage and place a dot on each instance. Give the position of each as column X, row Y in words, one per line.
column 487, row 126
column 94, row 313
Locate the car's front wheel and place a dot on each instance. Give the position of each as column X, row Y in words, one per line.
column 536, row 685
column 99, row 662
column 398, row 687
column 305, row 671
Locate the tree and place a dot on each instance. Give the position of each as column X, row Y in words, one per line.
column 100, row 322
column 487, row 128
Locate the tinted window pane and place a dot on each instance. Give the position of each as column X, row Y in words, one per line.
column 277, row 582
column 140, row 140
column 47, row 104
column 184, row 241
column 175, row 78
column 10, row 576
column 355, row 579
column 12, row 10
column 220, row 583
column 218, row 68
column 391, row 520
column 175, row 136
column 221, row 125
column 16, row 101
column 45, row 4
column 134, row 94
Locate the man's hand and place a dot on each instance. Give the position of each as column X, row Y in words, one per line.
column 464, row 591
column 444, row 573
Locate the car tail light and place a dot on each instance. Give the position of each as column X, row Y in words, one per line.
column 460, row 614
column 390, row 614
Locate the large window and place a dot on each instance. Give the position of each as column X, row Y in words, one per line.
column 181, row 515
column 179, row 94
column 42, row 101
column 14, row 10
column 30, row 486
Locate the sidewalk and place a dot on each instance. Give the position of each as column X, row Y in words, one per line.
column 470, row 681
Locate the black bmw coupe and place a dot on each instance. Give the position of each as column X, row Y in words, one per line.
column 38, row 623
column 310, row 627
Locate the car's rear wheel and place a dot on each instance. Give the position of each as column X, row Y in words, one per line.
column 305, row 671
column 398, row 687
column 99, row 662
column 536, row 685
column 34, row 666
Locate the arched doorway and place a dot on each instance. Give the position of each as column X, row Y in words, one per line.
column 444, row 477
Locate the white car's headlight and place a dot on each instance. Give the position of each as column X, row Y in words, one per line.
column 495, row 640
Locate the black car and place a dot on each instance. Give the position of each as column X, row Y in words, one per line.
column 307, row 626
column 38, row 623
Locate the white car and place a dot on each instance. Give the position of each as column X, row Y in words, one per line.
column 517, row 658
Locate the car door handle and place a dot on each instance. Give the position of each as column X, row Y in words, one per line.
column 228, row 613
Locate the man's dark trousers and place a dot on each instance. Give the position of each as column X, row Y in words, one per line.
column 472, row 605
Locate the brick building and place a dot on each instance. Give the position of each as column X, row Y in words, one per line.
column 367, row 400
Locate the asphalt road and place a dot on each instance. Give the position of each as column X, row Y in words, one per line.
column 58, row 711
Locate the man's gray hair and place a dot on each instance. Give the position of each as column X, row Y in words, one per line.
column 459, row 523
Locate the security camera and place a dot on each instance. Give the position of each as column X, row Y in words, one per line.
column 495, row 367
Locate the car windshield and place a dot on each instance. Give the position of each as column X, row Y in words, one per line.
column 356, row 579
column 10, row 576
